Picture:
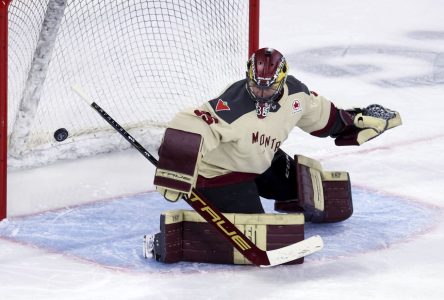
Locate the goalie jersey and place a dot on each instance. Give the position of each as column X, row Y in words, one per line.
column 235, row 139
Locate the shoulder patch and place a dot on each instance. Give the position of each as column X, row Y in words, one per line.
column 222, row 105
column 233, row 103
column 295, row 86
column 296, row 105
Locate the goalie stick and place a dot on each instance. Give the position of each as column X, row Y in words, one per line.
column 212, row 215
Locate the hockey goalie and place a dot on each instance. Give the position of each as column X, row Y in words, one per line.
column 228, row 149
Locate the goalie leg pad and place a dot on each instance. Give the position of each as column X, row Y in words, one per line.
column 185, row 236
column 323, row 196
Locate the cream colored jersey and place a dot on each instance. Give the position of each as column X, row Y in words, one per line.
column 235, row 139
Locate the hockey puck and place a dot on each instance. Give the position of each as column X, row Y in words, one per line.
column 60, row 134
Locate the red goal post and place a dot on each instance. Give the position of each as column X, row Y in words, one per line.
column 143, row 59
column 3, row 104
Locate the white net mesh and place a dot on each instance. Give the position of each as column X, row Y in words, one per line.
column 141, row 60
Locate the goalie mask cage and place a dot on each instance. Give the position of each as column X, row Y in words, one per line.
column 143, row 60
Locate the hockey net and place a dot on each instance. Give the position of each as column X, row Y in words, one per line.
column 142, row 60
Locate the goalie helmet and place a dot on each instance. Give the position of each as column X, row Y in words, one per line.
column 266, row 75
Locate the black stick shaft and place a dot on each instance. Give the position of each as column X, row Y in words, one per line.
column 124, row 133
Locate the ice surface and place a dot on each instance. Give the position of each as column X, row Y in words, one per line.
column 353, row 52
column 110, row 232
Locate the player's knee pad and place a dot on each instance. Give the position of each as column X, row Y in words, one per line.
column 323, row 196
column 185, row 236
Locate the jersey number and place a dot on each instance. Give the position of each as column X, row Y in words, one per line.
column 206, row 116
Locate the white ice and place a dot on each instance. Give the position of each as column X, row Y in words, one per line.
column 353, row 52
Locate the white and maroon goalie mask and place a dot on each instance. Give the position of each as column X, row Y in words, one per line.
column 266, row 75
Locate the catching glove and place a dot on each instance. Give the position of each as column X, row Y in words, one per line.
column 362, row 125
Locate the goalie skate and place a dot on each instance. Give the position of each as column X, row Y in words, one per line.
column 148, row 245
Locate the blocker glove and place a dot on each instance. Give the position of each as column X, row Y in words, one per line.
column 361, row 125
column 179, row 156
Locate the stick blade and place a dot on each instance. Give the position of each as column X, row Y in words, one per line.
column 78, row 90
column 294, row 251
